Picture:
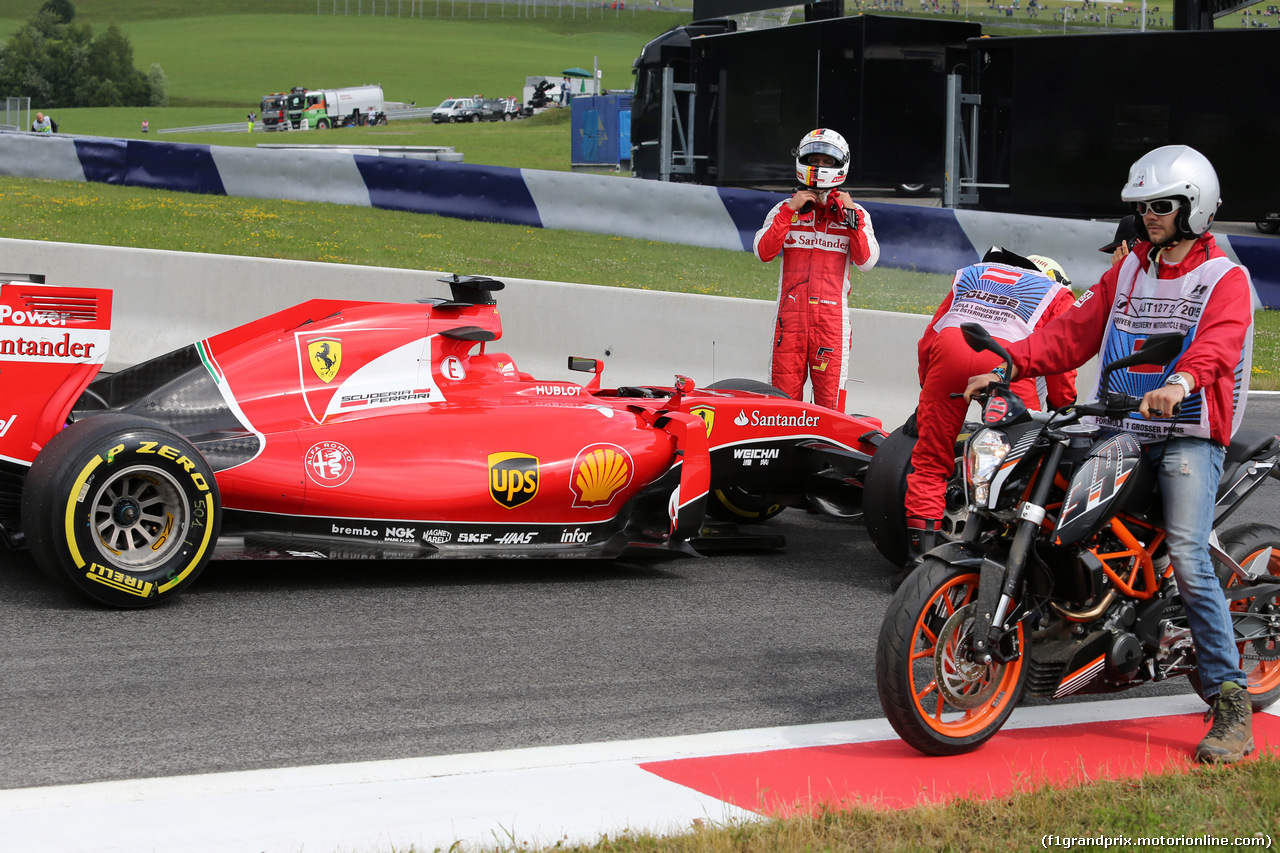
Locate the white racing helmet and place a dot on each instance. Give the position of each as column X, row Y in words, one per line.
column 1176, row 171
column 1050, row 268
column 822, row 141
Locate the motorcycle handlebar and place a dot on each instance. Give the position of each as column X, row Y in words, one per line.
column 1117, row 405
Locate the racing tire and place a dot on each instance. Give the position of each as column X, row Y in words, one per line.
column 1260, row 659
column 121, row 510
column 911, row 190
column 937, row 701
column 1268, row 226
column 884, row 494
column 736, row 503
column 753, row 386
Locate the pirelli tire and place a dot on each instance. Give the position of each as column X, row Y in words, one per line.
column 884, row 493
column 121, row 510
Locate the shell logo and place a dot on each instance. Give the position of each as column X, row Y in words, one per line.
column 600, row 472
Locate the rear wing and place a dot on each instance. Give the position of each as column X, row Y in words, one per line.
column 53, row 341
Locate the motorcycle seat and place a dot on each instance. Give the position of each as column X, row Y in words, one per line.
column 1246, row 444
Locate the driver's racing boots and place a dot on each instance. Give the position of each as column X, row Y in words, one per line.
column 922, row 535
column 1230, row 738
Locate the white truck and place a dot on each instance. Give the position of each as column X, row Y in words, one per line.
column 324, row 108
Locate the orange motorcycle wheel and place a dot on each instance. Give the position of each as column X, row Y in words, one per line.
column 937, row 699
column 1248, row 544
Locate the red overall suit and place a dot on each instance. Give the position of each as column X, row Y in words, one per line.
column 812, row 336
column 1009, row 302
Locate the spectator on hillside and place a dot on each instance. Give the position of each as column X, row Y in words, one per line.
column 42, row 124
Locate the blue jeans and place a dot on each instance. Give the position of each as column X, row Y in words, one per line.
column 1189, row 474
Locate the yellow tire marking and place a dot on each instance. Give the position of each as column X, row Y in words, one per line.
column 72, row 500
column 204, row 544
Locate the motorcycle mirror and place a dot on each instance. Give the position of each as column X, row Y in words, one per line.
column 979, row 339
column 1157, row 349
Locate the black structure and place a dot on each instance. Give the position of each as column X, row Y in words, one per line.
column 879, row 81
column 1063, row 117
column 670, row 50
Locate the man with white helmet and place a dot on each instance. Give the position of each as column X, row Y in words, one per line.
column 819, row 232
column 1010, row 296
column 1176, row 279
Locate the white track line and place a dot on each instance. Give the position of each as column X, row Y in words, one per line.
column 537, row 795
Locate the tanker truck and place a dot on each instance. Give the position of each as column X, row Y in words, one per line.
column 324, row 108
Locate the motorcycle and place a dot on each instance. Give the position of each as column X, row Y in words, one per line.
column 1060, row 583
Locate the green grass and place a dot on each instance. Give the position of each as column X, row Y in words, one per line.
column 231, row 61
column 111, row 215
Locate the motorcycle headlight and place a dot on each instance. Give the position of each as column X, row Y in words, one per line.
column 986, row 450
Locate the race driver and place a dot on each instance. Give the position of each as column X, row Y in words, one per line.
column 819, row 231
column 1008, row 295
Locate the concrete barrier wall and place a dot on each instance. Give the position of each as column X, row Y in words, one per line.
column 911, row 237
column 166, row 300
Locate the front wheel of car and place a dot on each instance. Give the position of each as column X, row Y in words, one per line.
column 735, row 503
column 121, row 510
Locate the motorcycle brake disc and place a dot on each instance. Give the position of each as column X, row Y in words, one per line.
column 1266, row 648
column 963, row 683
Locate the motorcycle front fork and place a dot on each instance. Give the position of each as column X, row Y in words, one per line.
column 998, row 583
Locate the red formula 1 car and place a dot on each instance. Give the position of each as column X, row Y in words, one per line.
column 345, row 429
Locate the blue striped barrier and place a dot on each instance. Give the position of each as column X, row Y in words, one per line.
column 933, row 240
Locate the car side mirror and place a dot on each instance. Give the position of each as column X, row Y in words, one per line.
column 585, row 365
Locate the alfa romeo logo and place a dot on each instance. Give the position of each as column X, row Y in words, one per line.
column 329, row 464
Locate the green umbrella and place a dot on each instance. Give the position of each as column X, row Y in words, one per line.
column 577, row 72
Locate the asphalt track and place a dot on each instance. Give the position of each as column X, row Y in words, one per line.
column 286, row 666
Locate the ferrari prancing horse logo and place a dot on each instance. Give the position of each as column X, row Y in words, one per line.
column 326, row 357
column 708, row 415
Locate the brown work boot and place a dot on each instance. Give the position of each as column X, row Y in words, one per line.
column 1230, row 738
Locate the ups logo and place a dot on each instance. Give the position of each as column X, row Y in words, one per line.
column 513, row 478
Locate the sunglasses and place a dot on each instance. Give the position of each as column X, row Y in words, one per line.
column 1160, row 207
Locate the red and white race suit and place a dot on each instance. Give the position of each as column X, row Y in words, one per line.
column 811, row 334
column 1009, row 302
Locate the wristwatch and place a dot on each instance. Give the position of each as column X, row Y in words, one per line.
column 1180, row 379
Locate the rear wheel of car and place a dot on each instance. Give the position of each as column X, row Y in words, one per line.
column 755, row 386
column 121, row 510
column 884, row 497
column 884, row 493
column 736, row 503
